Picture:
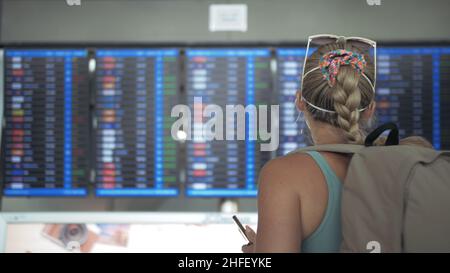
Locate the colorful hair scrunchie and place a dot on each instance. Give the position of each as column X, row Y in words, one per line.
column 330, row 63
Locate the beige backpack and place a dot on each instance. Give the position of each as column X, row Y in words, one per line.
column 396, row 198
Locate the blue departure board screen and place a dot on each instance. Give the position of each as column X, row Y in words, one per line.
column 412, row 91
column 408, row 91
column 135, row 92
column 444, row 97
column 66, row 126
column 288, row 80
column 227, row 76
column 46, row 110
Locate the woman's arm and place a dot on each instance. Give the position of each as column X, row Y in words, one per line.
column 279, row 214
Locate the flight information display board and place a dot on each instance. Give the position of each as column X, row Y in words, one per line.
column 444, row 85
column 49, row 149
column 135, row 92
column 408, row 91
column 227, row 76
column 288, row 79
column 46, row 112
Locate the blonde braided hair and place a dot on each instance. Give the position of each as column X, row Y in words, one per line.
column 349, row 93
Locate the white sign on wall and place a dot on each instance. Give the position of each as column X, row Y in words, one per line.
column 228, row 17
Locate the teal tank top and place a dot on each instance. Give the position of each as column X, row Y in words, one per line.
column 328, row 236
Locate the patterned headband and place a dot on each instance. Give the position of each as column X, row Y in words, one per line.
column 330, row 63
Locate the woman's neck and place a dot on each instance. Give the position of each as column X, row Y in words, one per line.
column 323, row 133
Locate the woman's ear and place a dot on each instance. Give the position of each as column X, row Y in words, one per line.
column 299, row 102
column 370, row 110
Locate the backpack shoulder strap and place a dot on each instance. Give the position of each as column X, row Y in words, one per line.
column 336, row 148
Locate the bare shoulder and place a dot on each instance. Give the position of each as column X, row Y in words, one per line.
column 285, row 171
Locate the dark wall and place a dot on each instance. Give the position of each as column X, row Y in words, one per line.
column 186, row 21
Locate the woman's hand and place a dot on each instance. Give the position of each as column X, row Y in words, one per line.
column 251, row 234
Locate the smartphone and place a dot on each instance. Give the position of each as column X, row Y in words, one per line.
column 241, row 228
